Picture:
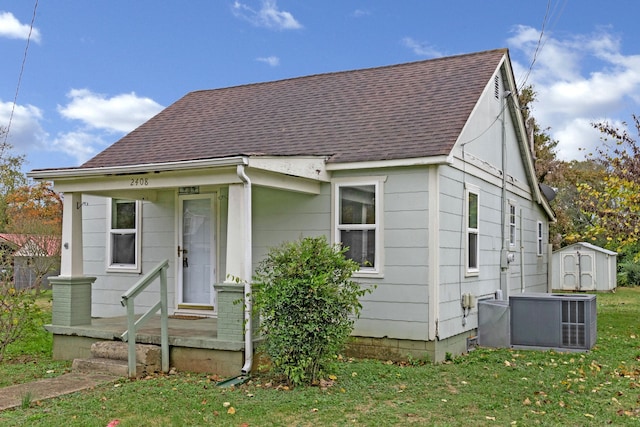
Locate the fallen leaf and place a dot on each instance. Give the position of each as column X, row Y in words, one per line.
column 231, row 410
column 333, row 377
column 314, row 410
column 490, row 418
column 226, row 404
column 589, row 416
column 526, row 402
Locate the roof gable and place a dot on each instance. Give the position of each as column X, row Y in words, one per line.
column 395, row 112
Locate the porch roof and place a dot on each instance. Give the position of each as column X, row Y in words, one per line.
column 405, row 111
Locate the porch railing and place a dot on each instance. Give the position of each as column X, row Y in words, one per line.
column 128, row 301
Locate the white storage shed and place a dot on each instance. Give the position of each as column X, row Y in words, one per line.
column 584, row 267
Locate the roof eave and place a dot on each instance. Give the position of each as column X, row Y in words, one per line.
column 375, row 164
column 53, row 174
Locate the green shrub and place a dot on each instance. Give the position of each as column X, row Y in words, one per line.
column 628, row 274
column 19, row 314
column 308, row 303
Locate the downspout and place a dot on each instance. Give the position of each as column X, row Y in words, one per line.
column 522, row 276
column 504, row 262
column 248, row 300
column 433, row 309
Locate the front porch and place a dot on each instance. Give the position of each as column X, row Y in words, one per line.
column 193, row 342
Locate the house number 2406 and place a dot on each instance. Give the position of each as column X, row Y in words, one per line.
column 139, row 182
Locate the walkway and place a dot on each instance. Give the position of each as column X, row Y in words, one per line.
column 12, row 396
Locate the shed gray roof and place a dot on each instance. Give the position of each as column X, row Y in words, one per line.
column 394, row 112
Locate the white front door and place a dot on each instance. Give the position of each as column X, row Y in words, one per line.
column 196, row 252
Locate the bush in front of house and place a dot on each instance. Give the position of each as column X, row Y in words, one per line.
column 18, row 312
column 307, row 304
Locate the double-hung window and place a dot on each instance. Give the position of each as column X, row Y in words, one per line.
column 512, row 224
column 357, row 217
column 123, row 244
column 540, row 241
column 472, row 202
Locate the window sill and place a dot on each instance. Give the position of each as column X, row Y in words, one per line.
column 123, row 269
column 368, row 274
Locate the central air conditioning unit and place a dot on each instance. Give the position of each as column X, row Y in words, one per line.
column 562, row 321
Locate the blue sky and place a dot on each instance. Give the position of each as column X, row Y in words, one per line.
column 95, row 70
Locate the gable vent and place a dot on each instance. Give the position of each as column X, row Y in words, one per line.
column 496, row 87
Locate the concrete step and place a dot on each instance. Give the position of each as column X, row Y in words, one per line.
column 112, row 357
column 108, row 366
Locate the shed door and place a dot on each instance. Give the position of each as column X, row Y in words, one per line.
column 196, row 252
column 578, row 270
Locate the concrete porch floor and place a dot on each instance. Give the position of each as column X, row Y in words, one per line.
column 194, row 345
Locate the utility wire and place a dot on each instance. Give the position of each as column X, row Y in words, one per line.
column 3, row 146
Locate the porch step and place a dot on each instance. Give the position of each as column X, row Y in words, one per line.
column 112, row 357
column 109, row 366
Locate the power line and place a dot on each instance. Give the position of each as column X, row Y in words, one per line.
column 15, row 97
column 541, row 42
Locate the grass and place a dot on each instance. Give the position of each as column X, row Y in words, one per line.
column 485, row 387
column 30, row 358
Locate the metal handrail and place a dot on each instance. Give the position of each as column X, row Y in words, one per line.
column 128, row 301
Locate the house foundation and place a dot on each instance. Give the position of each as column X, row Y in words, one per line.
column 399, row 350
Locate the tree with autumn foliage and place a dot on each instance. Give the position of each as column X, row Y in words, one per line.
column 563, row 177
column 18, row 307
column 35, row 222
column 613, row 205
column 11, row 175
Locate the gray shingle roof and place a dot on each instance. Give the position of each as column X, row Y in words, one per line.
column 401, row 111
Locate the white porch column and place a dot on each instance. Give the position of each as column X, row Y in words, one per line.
column 237, row 235
column 71, row 253
column 71, row 290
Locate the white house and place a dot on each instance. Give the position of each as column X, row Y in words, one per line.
column 423, row 169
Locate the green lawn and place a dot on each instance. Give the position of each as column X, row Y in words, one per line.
column 486, row 387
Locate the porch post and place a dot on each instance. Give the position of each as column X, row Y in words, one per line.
column 230, row 313
column 237, row 235
column 71, row 290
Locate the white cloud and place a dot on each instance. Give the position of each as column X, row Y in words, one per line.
column 120, row 113
column 267, row 16
column 273, row 61
column 579, row 80
column 11, row 28
column 421, row 48
column 360, row 13
column 79, row 145
column 25, row 133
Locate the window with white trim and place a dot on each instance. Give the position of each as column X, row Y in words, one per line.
column 472, row 198
column 123, row 243
column 540, row 229
column 357, row 213
column 512, row 223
